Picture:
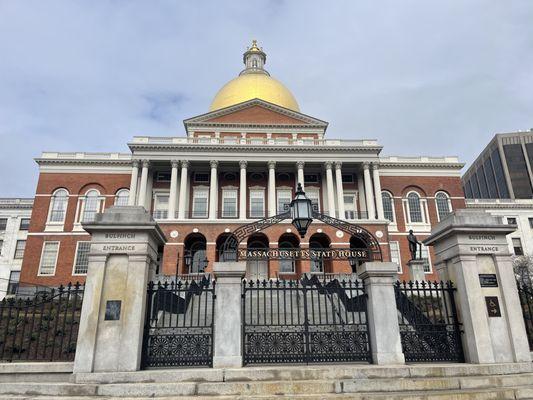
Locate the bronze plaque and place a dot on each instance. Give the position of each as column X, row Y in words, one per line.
column 488, row 280
column 112, row 310
column 493, row 306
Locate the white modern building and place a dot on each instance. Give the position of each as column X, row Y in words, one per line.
column 519, row 212
column 14, row 223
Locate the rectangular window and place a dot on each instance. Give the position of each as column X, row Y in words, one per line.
column 13, row 284
column 530, row 222
column 257, row 203
column 24, row 224
column 19, row 249
column 163, row 176
column 517, row 247
column 49, row 258
column 347, row 178
column 229, row 203
column 201, row 177
column 3, row 224
column 516, row 163
column 284, row 200
column 424, row 255
column 395, row 254
column 314, row 195
column 511, row 221
column 310, row 178
column 200, row 203
column 491, row 180
column 161, row 206
column 81, row 263
column 501, row 183
column 350, row 210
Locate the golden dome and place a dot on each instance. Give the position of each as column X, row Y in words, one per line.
column 254, row 86
column 254, row 82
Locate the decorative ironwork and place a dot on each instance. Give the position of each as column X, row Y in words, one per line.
column 304, row 321
column 525, row 292
column 179, row 324
column 229, row 250
column 427, row 316
column 41, row 327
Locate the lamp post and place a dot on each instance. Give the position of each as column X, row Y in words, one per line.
column 301, row 211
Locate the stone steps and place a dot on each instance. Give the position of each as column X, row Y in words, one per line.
column 361, row 382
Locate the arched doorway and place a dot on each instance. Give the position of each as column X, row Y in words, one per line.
column 219, row 256
column 287, row 262
column 195, row 256
column 319, row 242
column 357, row 243
column 257, row 266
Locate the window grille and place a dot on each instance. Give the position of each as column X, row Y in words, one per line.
column 415, row 210
column 19, row 249
column 49, row 258
column 82, row 258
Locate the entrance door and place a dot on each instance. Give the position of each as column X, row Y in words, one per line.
column 257, row 269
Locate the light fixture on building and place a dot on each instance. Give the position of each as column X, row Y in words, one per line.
column 188, row 258
column 301, row 211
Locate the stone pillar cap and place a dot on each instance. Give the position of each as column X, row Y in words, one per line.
column 468, row 221
column 125, row 218
column 377, row 269
column 229, row 269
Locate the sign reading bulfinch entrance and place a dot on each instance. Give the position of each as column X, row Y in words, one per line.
column 304, row 254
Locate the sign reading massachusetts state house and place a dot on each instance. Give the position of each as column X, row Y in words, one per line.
column 304, row 254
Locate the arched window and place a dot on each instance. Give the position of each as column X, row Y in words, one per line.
column 91, row 205
column 287, row 261
column 443, row 205
column 195, row 255
column 415, row 210
column 388, row 203
column 121, row 198
column 58, row 207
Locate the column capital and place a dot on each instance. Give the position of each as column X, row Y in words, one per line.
column 135, row 163
column 366, row 165
column 145, row 163
column 328, row 164
column 243, row 164
column 184, row 163
column 375, row 166
column 271, row 164
column 300, row 164
column 174, row 163
column 213, row 163
column 338, row 165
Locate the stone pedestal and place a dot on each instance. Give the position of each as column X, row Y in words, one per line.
column 416, row 270
column 385, row 341
column 123, row 251
column 471, row 250
column 228, row 314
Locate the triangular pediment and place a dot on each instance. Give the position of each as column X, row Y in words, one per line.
column 255, row 112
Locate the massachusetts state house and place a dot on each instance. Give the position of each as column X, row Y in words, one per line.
column 239, row 162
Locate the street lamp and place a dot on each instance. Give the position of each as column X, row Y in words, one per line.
column 301, row 211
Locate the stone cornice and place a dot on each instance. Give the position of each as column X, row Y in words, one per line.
column 16, row 204
column 391, row 165
column 74, row 161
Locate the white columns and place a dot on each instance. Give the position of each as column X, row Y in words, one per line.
column 377, row 191
column 144, row 183
column 300, row 169
column 271, row 188
column 133, row 182
column 368, row 192
column 172, row 200
column 340, row 189
column 183, row 189
column 331, row 195
column 213, row 190
column 242, row 190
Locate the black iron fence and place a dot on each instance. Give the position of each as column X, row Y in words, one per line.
column 179, row 323
column 304, row 321
column 525, row 292
column 41, row 327
column 427, row 316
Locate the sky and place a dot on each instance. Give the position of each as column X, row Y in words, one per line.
column 424, row 77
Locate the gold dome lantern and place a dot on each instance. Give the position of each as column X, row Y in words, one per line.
column 254, row 82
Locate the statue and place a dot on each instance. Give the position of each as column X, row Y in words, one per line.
column 413, row 244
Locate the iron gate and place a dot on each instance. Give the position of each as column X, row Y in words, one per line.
column 304, row 321
column 525, row 292
column 179, row 324
column 429, row 327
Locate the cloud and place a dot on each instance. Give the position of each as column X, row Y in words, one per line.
column 432, row 78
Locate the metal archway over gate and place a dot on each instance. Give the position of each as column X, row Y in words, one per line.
column 229, row 250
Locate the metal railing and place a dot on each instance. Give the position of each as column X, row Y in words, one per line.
column 43, row 327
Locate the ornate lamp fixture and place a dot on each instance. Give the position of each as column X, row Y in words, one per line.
column 188, row 258
column 301, row 211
